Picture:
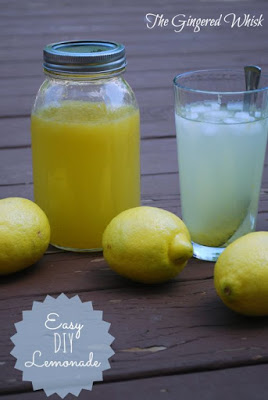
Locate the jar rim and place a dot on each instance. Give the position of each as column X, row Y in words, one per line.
column 78, row 57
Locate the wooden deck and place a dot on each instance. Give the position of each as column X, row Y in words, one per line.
column 171, row 341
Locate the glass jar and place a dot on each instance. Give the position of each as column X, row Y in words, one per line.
column 85, row 142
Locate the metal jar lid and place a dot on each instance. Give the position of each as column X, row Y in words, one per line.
column 84, row 57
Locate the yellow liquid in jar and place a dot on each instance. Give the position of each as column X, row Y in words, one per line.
column 86, row 169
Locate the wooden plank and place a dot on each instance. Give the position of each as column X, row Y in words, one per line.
column 141, row 50
column 159, row 164
column 29, row 86
column 57, row 268
column 21, row 105
column 246, row 383
column 78, row 27
column 153, row 80
column 176, row 63
column 90, row 19
column 157, row 157
column 14, row 38
column 80, row 16
column 186, row 318
column 16, row 164
column 41, row 276
column 77, row 273
column 148, row 79
column 156, row 99
column 153, row 90
column 16, row 131
column 15, row 9
column 152, row 186
column 14, row 5
column 157, row 190
column 19, row 95
column 87, row 272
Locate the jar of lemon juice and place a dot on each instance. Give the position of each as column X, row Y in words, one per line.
column 85, row 142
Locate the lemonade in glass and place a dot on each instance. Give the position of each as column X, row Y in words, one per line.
column 221, row 139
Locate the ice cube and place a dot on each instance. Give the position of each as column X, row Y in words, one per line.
column 192, row 116
column 243, row 116
column 213, row 105
column 215, row 116
column 230, row 121
column 198, row 108
column 220, row 114
column 236, row 106
column 257, row 114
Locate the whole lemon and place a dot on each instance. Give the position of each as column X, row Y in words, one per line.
column 241, row 274
column 24, row 234
column 147, row 244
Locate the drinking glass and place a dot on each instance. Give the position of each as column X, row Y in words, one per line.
column 221, row 138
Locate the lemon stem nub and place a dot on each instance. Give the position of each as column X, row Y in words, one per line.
column 227, row 291
column 180, row 248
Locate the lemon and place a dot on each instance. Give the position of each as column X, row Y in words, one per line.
column 24, row 234
column 147, row 244
column 241, row 274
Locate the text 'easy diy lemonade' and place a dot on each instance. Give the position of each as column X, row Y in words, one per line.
column 221, row 152
column 86, row 168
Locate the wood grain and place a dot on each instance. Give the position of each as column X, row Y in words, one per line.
column 204, row 350
column 157, row 157
column 185, row 318
column 221, row 384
